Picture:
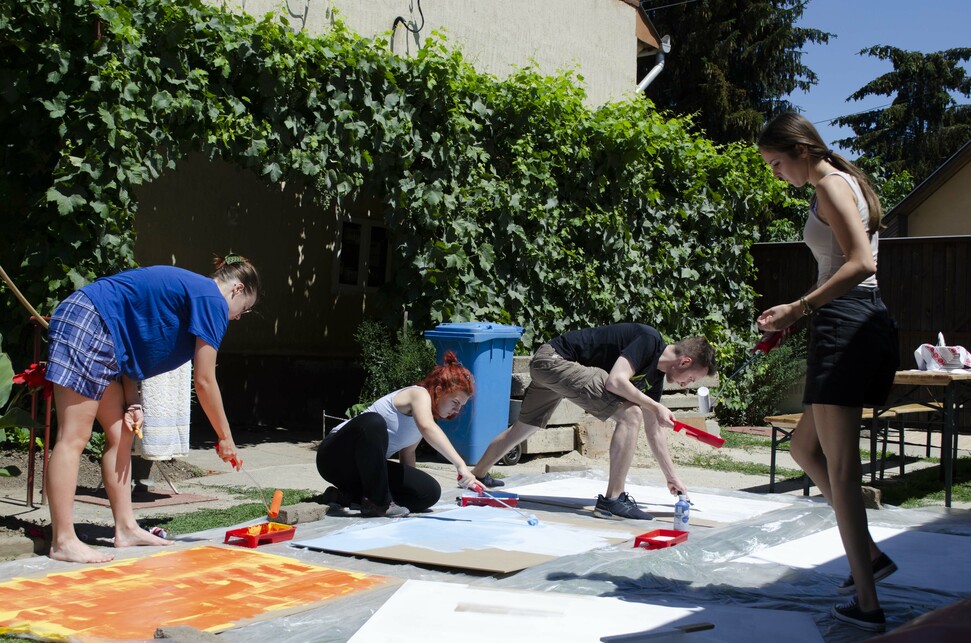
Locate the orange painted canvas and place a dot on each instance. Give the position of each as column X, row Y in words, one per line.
column 209, row 588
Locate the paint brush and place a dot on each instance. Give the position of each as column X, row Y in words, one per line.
column 478, row 487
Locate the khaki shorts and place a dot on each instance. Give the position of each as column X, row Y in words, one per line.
column 555, row 378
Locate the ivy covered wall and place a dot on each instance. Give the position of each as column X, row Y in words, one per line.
column 507, row 200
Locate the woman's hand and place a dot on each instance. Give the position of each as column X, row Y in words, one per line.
column 226, row 450
column 134, row 418
column 466, row 478
column 779, row 317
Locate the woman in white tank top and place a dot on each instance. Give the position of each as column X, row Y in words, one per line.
column 853, row 351
column 355, row 456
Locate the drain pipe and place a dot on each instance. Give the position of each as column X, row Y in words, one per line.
column 658, row 66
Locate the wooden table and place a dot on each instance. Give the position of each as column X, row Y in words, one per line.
column 947, row 390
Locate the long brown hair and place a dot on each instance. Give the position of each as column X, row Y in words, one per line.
column 787, row 131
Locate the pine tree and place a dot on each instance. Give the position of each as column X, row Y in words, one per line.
column 732, row 62
column 924, row 124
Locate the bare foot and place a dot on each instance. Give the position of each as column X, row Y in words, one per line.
column 139, row 538
column 77, row 552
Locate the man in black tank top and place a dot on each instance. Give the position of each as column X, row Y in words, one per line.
column 612, row 372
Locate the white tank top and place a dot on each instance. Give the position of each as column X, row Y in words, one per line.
column 402, row 430
column 822, row 242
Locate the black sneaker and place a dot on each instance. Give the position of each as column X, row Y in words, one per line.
column 334, row 496
column 851, row 613
column 882, row 567
column 624, row 506
column 491, row 482
column 371, row 510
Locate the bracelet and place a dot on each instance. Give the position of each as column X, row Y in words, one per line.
column 807, row 310
column 134, row 407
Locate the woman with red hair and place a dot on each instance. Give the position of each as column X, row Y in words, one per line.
column 354, row 457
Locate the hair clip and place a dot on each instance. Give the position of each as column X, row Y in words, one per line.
column 233, row 259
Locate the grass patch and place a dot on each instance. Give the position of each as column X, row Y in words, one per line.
column 735, row 440
column 718, row 462
column 204, row 519
column 924, row 487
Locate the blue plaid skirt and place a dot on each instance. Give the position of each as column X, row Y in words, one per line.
column 81, row 355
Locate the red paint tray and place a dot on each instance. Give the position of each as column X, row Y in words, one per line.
column 698, row 434
column 266, row 532
column 661, row 538
column 482, row 500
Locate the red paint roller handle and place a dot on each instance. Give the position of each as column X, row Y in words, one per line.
column 475, row 486
column 698, row 434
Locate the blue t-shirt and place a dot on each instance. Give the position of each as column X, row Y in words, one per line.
column 154, row 316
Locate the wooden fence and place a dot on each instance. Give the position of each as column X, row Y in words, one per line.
column 924, row 281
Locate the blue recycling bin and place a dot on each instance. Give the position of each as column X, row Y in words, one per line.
column 485, row 349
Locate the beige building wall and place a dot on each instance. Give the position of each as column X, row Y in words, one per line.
column 594, row 37
column 945, row 212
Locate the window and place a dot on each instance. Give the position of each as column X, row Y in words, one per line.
column 362, row 256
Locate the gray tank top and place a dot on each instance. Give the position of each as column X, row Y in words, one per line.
column 402, row 430
column 822, row 242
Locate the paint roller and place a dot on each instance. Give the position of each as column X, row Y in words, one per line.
column 766, row 344
column 477, row 487
column 274, row 510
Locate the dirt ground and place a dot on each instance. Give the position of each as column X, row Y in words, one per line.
column 89, row 477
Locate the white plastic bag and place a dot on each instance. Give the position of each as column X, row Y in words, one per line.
column 941, row 357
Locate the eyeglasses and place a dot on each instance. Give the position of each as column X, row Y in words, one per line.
column 248, row 310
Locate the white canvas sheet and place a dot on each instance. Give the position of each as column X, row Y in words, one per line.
column 924, row 559
column 452, row 612
column 490, row 531
column 581, row 492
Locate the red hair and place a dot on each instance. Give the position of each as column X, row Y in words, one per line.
column 447, row 378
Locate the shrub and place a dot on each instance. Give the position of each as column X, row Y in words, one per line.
column 390, row 360
column 759, row 390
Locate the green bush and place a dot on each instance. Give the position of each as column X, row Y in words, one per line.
column 391, row 360
column 758, row 390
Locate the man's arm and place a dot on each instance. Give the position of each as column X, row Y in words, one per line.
column 658, row 441
column 618, row 383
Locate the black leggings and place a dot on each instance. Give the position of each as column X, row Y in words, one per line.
column 353, row 460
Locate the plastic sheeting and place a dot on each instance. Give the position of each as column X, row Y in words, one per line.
column 703, row 572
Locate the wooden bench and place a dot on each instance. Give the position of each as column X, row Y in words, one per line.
column 879, row 425
column 900, row 412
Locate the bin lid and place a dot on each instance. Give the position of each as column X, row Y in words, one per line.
column 474, row 331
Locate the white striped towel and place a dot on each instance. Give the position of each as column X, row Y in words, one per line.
column 166, row 403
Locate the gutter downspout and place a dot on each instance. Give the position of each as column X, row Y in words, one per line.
column 658, row 66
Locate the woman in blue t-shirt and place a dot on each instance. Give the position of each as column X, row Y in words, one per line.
column 104, row 339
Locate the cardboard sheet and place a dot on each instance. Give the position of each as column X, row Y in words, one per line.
column 924, row 559
column 706, row 510
column 452, row 612
column 479, row 538
column 210, row 588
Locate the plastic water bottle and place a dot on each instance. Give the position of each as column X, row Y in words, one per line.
column 682, row 509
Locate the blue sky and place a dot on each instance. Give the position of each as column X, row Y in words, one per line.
column 916, row 25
